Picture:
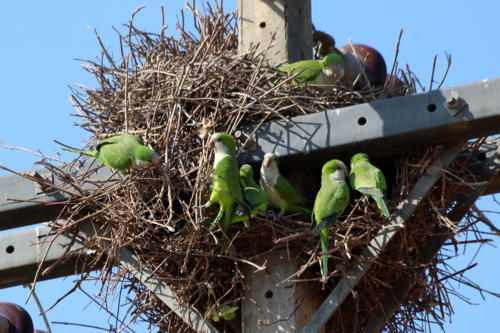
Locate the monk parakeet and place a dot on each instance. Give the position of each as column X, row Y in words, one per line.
column 253, row 192
column 254, row 195
column 279, row 191
column 326, row 71
column 122, row 152
column 225, row 178
column 331, row 200
column 369, row 180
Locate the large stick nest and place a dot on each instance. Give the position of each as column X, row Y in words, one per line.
column 176, row 92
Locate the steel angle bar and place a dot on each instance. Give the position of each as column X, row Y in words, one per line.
column 23, row 250
column 383, row 127
column 24, row 201
column 162, row 291
column 380, row 241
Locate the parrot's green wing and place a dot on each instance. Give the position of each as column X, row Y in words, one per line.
column 369, row 180
column 330, row 202
column 380, row 180
column 257, row 198
column 308, row 69
column 292, row 198
column 228, row 176
column 115, row 155
column 122, row 138
column 325, row 222
column 365, row 175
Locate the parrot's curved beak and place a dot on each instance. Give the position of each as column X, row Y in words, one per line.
column 211, row 143
column 267, row 162
column 346, row 173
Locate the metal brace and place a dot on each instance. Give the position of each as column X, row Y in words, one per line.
column 454, row 103
column 41, row 180
column 248, row 143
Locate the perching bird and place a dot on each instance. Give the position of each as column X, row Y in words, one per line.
column 323, row 43
column 252, row 191
column 122, row 152
column 279, row 191
column 369, row 180
column 226, row 188
column 326, row 71
column 331, row 200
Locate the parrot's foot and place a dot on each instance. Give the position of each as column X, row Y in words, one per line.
column 209, row 223
column 279, row 215
column 206, row 205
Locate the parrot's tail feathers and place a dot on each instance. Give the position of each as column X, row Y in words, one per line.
column 93, row 153
column 325, row 266
column 371, row 191
column 324, row 257
column 325, row 223
column 77, row 151
column 382, row 206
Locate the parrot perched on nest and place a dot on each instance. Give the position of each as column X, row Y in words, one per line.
column 326, row 71
column 122, row 152
column 331, row 200
column 279, row 191
column 369, row 180
column 225, row 179
column 252, row 191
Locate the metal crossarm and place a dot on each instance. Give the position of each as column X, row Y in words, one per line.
column 390, row 126
column 24, row 250
column 23, row 202
column 387, row 126
column 145, row 275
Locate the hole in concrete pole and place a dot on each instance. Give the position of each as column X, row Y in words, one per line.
column 262, row 24
column 268, row 294
column 431, row 107
column 361, row 121
column 9, row 249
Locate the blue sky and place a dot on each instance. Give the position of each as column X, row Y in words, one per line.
column 40, row 41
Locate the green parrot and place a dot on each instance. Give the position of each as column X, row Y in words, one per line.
column 279, row 191
column 122, row 152
column 252, row 191
column 225, row 179
column 253, row 195
column 326, row 71
column 369, row 180
column 331, row 200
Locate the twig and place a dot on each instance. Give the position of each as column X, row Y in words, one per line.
column 40, row 308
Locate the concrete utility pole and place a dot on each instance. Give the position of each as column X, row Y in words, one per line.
column 281, row 28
